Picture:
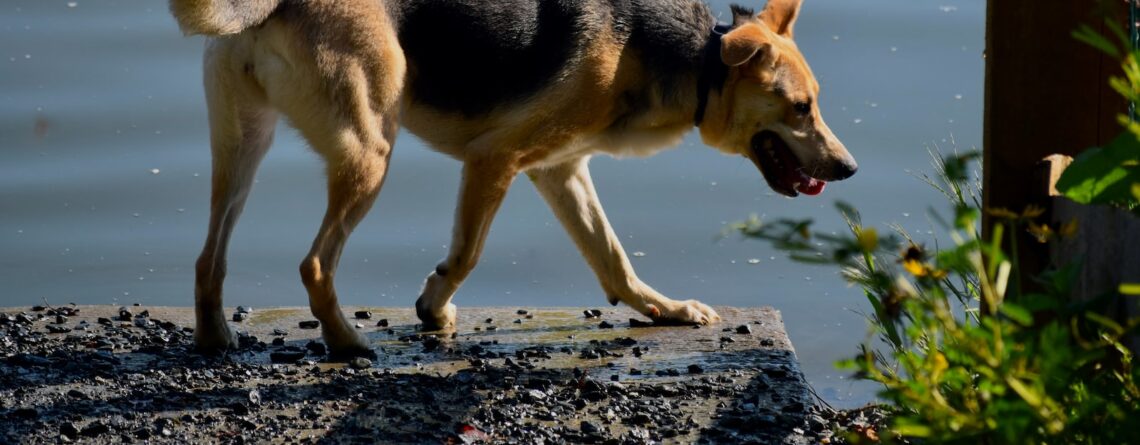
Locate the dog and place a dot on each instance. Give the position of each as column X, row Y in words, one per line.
column 505, row 86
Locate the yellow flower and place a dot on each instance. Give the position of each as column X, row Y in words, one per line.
column 939, row 366
column 914, row 267
column 867, row 238
column 1042, row 232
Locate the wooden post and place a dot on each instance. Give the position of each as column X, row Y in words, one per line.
column 1046, row 93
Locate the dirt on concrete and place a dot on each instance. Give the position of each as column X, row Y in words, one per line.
column 104, row 374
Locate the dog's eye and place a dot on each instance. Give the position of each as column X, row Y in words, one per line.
column 802, row 108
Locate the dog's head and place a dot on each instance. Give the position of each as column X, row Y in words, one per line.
column 767, row 110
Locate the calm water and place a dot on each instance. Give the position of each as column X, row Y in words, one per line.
column 104, row 172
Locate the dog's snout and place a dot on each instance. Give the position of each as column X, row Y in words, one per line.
column 844, row 169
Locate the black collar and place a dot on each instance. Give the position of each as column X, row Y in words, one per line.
column 713, row 71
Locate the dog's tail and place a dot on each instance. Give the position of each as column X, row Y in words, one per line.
column 220, row 17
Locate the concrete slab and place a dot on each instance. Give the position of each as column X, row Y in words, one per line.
column 546, row 375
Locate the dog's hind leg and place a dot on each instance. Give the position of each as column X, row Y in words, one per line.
column 484, row 185
column 357, row 152
column 569, row 191
column 241, row 130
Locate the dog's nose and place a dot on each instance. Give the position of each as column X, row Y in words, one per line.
column 844, row 169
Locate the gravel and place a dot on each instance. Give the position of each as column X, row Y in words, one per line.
column 120, row 381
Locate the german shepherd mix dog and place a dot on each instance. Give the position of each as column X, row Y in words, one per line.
column 505, row 86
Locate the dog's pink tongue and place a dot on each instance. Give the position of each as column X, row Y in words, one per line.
column 809, row 185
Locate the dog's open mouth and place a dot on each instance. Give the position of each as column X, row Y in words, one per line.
column 783, row 171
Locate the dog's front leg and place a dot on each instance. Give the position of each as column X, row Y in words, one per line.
column 484, row 185
column 569, row 191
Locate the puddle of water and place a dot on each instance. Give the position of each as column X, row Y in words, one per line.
column 104, row 180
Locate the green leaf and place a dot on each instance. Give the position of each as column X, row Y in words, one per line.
column 909, row 428
column 1086, row 34
column 1104, row 175
column 964, row 217
column 810, row 259
column 1017, row 313
column 1130, row 288
column 1108, row 323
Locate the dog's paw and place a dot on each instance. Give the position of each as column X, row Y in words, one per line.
column 214, row 338
column 683, row 312
column 348, row 352
column 436, row 322
column 344, row 342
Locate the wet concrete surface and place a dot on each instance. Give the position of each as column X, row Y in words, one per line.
column 103, row 374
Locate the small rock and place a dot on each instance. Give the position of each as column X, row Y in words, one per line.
column 592, row 313
column 38, row 308
column 605, row 325
column 816, row 423
column 255, row 397
column 795, row 407
column 125, row 314
column 727, row 340
column 640, row 419
column 383, row 323
column 589, row 427
column 635, row 323
column 316, row 347
column 309, row 324
column 76, row 394
column 696, row 369
column 57, row 329
column 518, row 321
column 240, row 316
column 244, row 310
column 69, row 430
column 767, row 342
column 280, row 332
column 95, row 429
column 360, row 363
column 744, row 329
column 363, row 315
column 489, row 320
column 521, row 312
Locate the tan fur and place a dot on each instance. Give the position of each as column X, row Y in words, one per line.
column 214, row 17
column 335, row 70
column 751, row 103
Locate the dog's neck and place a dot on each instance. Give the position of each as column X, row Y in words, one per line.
column 713, row 71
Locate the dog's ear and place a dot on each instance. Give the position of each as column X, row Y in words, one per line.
column 743, row 43
column 741, row 15
column 780, row 15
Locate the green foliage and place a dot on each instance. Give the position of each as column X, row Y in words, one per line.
column 970, row 358
column 1110, row 174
